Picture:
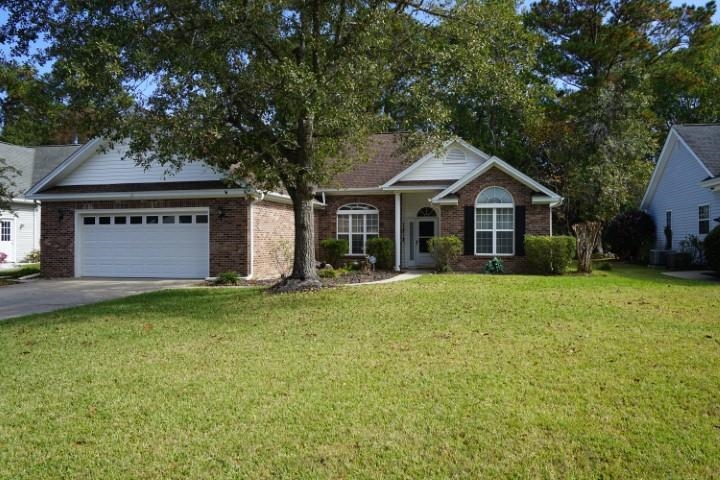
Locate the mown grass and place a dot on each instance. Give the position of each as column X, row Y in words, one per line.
column 616, row 375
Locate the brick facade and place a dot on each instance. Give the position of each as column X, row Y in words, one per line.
column 273, row 240
column 326, row 218
column 537, row 217
column 228, row 231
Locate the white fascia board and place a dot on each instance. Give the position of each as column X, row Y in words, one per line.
column 156, row 195
column 352, row 191
column 79, row 155
column 504, row 167
column 711, row 183
column 451, row 200
column 414, row 188
column 22, row 201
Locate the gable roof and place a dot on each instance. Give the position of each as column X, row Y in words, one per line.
column 33, row 163
column 495, row 162
column 699, row 140
column 704, row 141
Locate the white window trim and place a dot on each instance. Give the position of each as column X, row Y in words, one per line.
column 364, row 212
column 494, row 207
column 708, row 219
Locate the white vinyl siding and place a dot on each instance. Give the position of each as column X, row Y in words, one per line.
column 24, row 231
column 678, row 191
column 440, row 167
column 109, row 167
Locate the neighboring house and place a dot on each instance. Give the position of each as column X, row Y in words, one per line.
column 20, row 227
column 104, row 216
column 684, row 191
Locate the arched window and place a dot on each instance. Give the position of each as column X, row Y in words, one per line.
column 426, row 212
column 494, row 222
column 356, row 222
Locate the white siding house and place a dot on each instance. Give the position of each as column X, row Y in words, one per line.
column 684, row 191
column 20, row 226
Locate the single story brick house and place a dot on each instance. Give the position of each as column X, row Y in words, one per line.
column 104, row 216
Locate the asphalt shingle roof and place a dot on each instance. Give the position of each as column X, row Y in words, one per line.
column 704, row 140
column 33, row 163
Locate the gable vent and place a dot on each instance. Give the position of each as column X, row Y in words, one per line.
column 455, row 155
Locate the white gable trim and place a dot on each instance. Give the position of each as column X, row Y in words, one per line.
column 504, row 167
column 672, row 140
column 430, row 156
column 78, row 156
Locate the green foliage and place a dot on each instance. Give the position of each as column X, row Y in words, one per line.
column 694, row 247
column 227, row 278
column 32, row 257
column 605, row 266
column 549, row 255
column 383, row 249
column 494, row 266
column 631, row 235
column 445, row 251
column 329, row 273
column 334, row 249
column 711, row 247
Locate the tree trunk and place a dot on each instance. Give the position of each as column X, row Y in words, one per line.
column 304, row 275
column 587, row 234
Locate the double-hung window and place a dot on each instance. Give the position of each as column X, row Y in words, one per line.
column 356, row 223
column 494, row 222
column 703, row 219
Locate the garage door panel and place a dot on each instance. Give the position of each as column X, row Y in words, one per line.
column 170, row 250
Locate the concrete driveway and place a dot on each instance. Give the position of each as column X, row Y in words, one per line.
column 48, row 295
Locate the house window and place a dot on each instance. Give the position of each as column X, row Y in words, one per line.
column 5, row 231
column 703, row 219
column 668, row 219
column 494, row 222
column 356, row 222
column 426, row 212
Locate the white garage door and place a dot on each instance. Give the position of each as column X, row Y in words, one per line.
column 153, row 243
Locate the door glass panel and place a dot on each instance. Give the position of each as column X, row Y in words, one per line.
column 201, row 219
column 427, row 229
column 89, row 221
column 357, row 244
column 120, row 220
column 104, row 221
column 168, row 218
column 423, row 244
column 136, row 220
column 151, row 219
column 185, row 218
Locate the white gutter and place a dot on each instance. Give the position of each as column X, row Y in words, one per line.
column 151, row 195
column 711, row 183
column 22, row 201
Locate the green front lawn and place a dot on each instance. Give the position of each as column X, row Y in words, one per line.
column 614, row 375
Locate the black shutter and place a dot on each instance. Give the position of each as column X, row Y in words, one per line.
column 469, row 230
column 520, row 230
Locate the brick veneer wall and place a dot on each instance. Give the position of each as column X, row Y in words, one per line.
column 228, row 235
column 537, row 217
column 326, row 219
column 274, row 235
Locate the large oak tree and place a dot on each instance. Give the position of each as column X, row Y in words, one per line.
column 278, row 92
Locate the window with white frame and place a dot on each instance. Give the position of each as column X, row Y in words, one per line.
column 703, row 219
column 356, row 222
column 494, row 222
column 5, row 231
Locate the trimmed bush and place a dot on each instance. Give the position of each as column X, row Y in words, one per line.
column 711, row 246
column 631, row 235
column 494, row 266
column 227, row 278
column 334, row 250
column 549, row 255
column 445, row 251
column 383, row 249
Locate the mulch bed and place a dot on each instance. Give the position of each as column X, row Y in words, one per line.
column 358, row 277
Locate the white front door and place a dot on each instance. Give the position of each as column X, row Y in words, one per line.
column 7, row 240
column 419, row 232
